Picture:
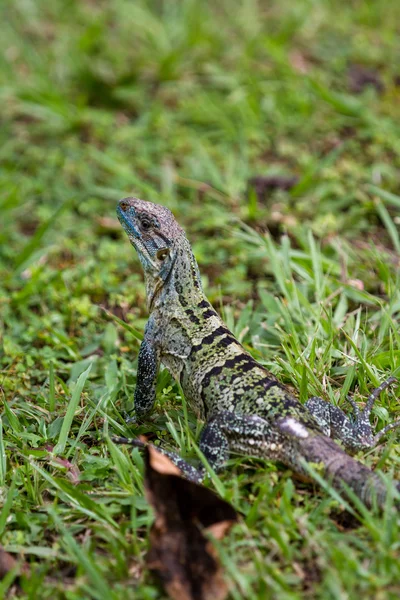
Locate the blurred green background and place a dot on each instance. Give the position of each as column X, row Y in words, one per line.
column 208, row 108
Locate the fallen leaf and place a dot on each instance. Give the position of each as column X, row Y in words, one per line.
column 361, row 77
column 108, row 223
column 262, row 184
column 181, row 553
column 356, row 283
column 161, row 463
column 7, row 563
column 72, row 470
column 299, row 62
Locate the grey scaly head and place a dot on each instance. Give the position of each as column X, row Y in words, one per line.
column 160, row 242
column 156, row 236
column 246, row 409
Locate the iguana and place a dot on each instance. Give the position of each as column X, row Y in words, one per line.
column 246, row 409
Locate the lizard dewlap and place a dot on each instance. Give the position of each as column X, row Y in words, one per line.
column 246, row 409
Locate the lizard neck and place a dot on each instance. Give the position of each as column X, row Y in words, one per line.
column 182, row 285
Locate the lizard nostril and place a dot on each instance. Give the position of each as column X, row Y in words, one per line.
column 124, row 205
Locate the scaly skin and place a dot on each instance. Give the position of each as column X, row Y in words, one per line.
column 245, row 408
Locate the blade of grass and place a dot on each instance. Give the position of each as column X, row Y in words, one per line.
column 387, row 197
column 69, row 415
column 52, row 389
column 5, row 511
column 371, row 375
column 390, row 226
column 135, row 332
column 3, row 458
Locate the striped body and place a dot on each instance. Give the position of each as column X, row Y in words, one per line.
column 215, row 371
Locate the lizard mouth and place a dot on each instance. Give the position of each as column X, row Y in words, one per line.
column 135, row 237
column 127, row 223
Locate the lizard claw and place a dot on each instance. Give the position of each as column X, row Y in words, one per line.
column 376, row 393
column 356, row 410
column 362, row 425
column 130, row 420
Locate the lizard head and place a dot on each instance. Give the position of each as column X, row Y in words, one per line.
column 156, row 236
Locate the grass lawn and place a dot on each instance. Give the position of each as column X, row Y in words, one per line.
column 183, row 103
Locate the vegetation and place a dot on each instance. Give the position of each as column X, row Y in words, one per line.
column 183, row 103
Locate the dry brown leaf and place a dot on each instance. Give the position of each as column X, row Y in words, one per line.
column 162, row 464
column 263, row 185
column 181, row 554
column 108, row 223
column 7, row 563
column 361, row 77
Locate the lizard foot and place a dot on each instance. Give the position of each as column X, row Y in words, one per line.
column 363, row 417
column 131, row 419
column 355, row 432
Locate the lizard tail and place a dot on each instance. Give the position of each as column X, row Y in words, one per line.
column 341, row 470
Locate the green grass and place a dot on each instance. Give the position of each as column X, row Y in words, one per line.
column 181, row 103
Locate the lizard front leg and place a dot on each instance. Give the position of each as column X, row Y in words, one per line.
column 355, row 433
column 148, row 365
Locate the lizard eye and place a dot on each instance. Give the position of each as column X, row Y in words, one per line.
column 162, row 254
column 145, row 223
column 124, row 205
